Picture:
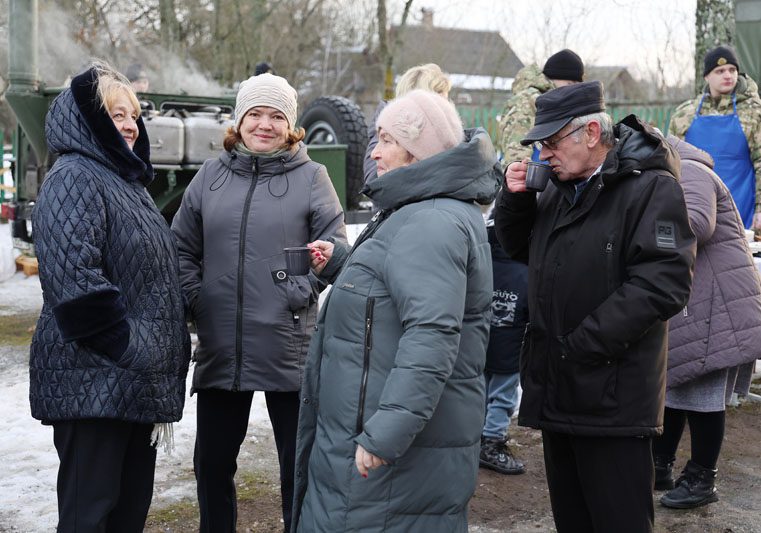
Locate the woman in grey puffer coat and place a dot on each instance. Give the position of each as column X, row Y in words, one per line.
column 254, row 318
column 714, row 342
column 393, row 395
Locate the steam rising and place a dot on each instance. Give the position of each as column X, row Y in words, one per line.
column 62, row 55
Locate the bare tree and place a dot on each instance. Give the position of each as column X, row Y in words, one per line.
column 551, row 26
column 666, row 61
column 386, row 54
column 169, row 26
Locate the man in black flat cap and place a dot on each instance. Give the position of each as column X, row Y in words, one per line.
column 610, row 259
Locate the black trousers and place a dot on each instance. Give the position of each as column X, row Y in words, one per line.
column 105, row 480
column 599, row 484
column 706, row 435
column 222, row 421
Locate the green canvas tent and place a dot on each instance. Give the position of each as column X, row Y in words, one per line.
column 748, row 36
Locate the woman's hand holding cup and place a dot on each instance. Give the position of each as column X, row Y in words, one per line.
column 320, row 253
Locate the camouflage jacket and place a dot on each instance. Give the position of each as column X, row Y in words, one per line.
column 748, row 110
column 518, row 114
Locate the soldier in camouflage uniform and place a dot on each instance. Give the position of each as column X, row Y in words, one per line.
column 563, row 68
column 726, row 89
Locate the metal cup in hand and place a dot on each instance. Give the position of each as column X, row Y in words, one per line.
column 537, row 176
column 297, row 260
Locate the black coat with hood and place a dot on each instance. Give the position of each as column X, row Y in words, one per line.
column 111, row 340
column 605, row 275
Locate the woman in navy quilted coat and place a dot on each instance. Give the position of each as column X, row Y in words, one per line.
column 111, row 349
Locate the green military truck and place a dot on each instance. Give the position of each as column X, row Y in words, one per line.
column 184, row 131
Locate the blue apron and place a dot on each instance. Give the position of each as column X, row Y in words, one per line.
column 722, row 136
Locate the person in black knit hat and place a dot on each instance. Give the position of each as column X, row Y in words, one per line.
column 562, row 68
column 565, row 65
column 721, row 55
column 263, row 68
column 725, row 121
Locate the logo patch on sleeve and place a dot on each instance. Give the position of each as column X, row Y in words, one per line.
column 665, row 236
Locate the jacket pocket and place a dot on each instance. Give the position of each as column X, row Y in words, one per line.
column 367, row 346
column 296, row 291
column 584, row 388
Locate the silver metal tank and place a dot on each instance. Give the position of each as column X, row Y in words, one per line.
column 204, row 133
column 167, row 135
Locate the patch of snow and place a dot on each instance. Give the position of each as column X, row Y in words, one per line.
column 19, row 294
column 29, row 465
column 7, row 253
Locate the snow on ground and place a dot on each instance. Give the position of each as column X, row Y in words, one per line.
column 29, row 463
column 20, row 294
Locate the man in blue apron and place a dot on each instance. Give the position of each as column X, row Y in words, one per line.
column 725, row 121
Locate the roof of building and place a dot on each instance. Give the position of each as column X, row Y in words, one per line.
column 456, row 51
column 607, row 74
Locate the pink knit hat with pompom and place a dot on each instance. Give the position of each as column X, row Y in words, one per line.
column 423, row 123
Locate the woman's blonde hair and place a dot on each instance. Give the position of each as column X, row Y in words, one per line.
column 111, row 85
column 233, row 137
column 428, row 76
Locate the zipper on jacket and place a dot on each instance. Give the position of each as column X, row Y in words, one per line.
column 368, row 344
column 241, row 263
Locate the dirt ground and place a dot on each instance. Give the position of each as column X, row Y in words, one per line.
column 520, row 504
column 511, row 504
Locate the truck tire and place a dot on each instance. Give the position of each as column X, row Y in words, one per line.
column 338, row 120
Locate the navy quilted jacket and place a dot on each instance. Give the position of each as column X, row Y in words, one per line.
column 111, row 340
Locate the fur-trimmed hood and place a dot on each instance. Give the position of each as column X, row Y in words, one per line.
column 77, row 122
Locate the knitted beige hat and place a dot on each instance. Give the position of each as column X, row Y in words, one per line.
column 423, row 123
column 266, row 90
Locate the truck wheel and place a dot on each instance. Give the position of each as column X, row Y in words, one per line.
column 338, row 120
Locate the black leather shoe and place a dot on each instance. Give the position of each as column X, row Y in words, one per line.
column 695, row 487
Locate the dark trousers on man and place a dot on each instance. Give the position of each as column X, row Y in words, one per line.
column 222, row 421
column 599, row 484
column 105, row 480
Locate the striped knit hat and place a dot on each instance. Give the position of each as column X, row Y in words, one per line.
column 266, row 90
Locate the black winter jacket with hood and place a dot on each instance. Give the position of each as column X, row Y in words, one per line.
column 605, row 275
column 111, row 340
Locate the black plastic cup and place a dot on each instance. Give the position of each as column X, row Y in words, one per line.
column 297, row 260
column 537, row 176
